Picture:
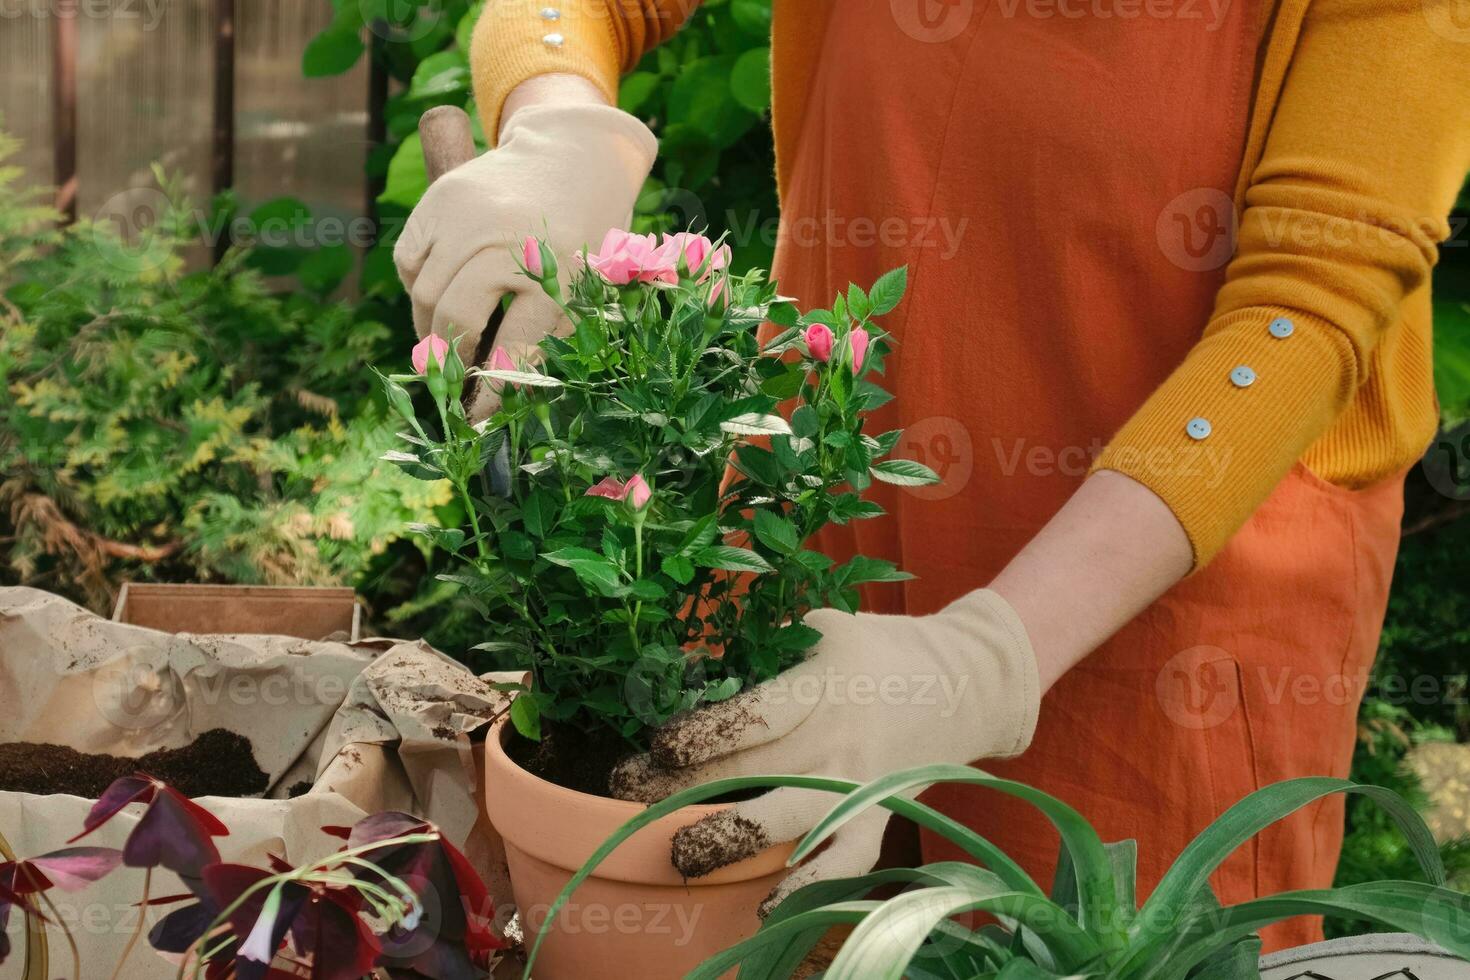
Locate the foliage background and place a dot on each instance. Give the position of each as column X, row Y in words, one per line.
column 133, row 422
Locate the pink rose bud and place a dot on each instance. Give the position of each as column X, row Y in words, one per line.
column 858, row 340
column 695, row 249
column 635, row 491
column 432, row 344
column 718, row 298
column 818, row 339
column 638, row 492
column 500, row 361
column 531, row 256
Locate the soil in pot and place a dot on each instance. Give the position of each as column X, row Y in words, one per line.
column 569, row 757
column 572, row 759
column 217, row 763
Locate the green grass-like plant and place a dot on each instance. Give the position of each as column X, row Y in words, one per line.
column 1088, row 925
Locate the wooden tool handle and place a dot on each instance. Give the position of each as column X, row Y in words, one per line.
column 445, row 132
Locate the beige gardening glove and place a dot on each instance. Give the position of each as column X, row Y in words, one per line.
column 879, row 693
column 566, row 173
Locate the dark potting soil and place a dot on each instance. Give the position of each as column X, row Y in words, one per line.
column 574, row 760
column 217, row 763
column 568, row 757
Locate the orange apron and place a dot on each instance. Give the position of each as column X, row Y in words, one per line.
column 1054, row 183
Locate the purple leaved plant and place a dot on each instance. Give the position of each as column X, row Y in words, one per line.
column 395, row 897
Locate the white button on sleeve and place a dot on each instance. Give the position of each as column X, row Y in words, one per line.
column 1243, row 376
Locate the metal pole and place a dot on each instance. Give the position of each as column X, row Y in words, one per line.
column 64, row 106
column 377, row 132
column 222, row 162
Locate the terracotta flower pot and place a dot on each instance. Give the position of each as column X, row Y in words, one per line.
column 635, row 917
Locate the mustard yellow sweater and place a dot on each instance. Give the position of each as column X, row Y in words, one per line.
column 1359, row 140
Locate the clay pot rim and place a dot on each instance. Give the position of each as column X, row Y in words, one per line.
column 642, row 859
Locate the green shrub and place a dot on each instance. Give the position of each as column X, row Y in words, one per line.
column 162, row 423
column 1417, row 693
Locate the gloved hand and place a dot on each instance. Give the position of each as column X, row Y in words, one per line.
column 879, row 693
column 566, row 173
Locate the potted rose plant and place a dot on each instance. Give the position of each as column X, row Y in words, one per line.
column 637, row 511
column 1090, row 923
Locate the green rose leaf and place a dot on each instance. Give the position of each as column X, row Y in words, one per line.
column 648, row 589
column 721, row 690
column 863, row 569
column 591, row 568
column 732, row 559
column 755, row 424
column 786, row 384
column 532, row 378
column 776, row 532
column 795, row 637
column 525, row 714
column 678, row 568
column 904, row 473
column 888, row 291
column 813, row 561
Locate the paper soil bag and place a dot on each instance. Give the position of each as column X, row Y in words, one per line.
column 345, row 729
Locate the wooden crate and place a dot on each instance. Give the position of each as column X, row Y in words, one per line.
column 308, row 613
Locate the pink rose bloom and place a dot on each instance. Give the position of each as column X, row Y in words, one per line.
column 627, row 258
column 635, row 491
column 695, row 249
column 818, row 339
column 531, row 256
column 858, row 340
column 432, row 344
